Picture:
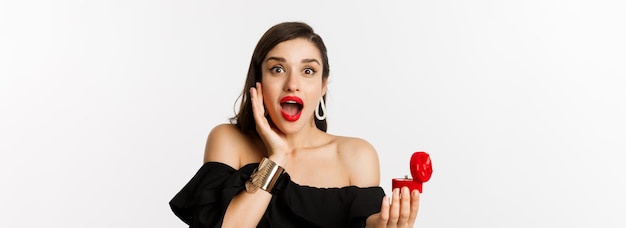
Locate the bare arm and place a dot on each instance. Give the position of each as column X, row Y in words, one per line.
column 225, row 145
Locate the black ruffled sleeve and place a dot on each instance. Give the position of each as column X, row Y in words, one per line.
column 203, row 201
column 327, row 207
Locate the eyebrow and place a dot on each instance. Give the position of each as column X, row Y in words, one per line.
column 279, row 59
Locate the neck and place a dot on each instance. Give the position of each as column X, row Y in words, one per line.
column 303, row 138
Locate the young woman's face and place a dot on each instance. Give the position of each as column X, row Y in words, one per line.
column 292, row 84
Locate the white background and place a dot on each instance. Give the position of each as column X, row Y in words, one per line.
column 105, row 105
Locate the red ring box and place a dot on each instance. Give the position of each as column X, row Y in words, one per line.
column 421, row 170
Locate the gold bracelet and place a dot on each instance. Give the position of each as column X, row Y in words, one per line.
column 264, row 176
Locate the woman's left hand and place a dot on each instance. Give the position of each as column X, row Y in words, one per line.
column 402, row 211
column 274, row 139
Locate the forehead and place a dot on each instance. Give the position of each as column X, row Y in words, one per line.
column 296, row 50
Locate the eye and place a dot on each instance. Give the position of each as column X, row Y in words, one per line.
column 277, row 69
column 308, row 71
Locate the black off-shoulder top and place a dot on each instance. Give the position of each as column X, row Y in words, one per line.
column 203, row 201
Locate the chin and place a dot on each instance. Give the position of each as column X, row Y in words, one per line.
column 290, row 127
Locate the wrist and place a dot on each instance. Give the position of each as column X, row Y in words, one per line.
column 265, row 176
column 279, row 159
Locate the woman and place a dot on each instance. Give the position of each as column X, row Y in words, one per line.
column 275, row 165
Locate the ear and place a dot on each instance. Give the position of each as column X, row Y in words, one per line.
column 324, row 84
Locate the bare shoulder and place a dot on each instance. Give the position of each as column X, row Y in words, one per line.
column 361, row 160
column 225, row 144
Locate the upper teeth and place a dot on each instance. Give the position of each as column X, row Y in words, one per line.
column 290, row 102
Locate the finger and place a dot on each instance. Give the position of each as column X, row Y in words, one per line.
column 384, row 210
column 394, row 211
column 256, row 98
column 415, row 205
column 259, row 99
column 405, row 206
column 259, row 89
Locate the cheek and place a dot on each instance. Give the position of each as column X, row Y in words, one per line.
column 271, row 84
column 313, row 104
column 315, row 90
column 313, row 97
column 270, row 95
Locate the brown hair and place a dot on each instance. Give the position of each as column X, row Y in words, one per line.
column 244, row 118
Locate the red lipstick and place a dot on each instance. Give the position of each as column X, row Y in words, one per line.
column 291, row 108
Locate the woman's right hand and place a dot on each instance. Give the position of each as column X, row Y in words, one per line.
column 274, row 140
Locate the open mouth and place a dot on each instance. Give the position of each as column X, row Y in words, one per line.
column 291, row 107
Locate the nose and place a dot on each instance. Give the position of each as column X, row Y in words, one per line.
column 292, row 84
